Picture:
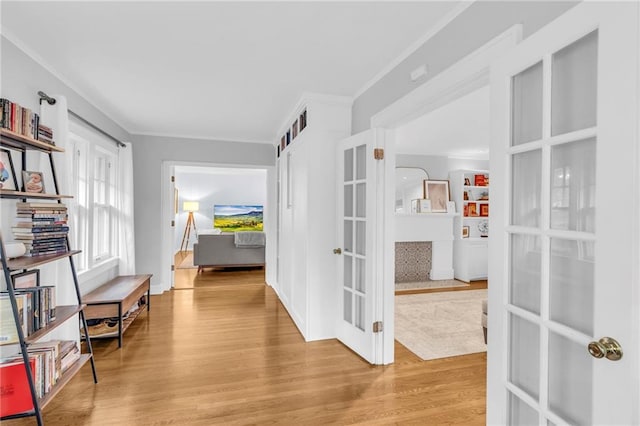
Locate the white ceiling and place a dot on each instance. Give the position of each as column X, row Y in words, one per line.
column 459, row 129
column 219, row 70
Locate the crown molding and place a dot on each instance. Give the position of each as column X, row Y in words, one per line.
column 202, row 138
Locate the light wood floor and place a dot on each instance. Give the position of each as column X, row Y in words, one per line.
column 226, row 352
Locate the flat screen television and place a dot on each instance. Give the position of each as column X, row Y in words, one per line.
column 232, row 217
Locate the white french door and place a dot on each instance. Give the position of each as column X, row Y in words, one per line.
column 359, row 244
column 565, row 253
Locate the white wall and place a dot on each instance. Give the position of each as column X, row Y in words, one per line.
column 150, row 153
column 474, row 27
column 21, row 79
column 211, row 186
column 438, row 167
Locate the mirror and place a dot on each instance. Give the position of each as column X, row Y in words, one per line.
column 408, row 187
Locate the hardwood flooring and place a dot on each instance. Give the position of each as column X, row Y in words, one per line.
column 223, row 350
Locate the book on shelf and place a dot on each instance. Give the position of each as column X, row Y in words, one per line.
column 8, row 328
column 38, row 307
column 29, row 205
column 18, row 119
column 48, row 360
column 15, row 393
column 481, row 180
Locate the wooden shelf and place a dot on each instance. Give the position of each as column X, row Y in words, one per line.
column 26, row 262
column 63, row 313
column 4, row 193
column 21, row 142
column 66, row 378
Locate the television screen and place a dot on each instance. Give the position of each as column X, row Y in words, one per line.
column 232, row 218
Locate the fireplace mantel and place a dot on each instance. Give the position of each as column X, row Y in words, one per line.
column 434, row 227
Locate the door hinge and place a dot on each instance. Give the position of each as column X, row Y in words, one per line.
column 173, row 178
column 173, row 268
column 173, row 223
column 377, row 326
column 378, row 153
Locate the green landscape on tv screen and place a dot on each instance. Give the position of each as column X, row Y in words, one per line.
column 232, row 218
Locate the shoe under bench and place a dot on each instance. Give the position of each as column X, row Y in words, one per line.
column 115, row 298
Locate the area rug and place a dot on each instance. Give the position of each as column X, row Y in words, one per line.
column 440, row 325
column 430, row 284
column 187, row 262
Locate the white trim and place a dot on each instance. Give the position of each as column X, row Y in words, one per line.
column 465, row 76
column 443, row 22
column 16, row 41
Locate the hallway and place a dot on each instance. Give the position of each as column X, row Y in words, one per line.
column 226, row 352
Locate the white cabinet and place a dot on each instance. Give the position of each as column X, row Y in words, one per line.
column 470, row 191
column 306, row 275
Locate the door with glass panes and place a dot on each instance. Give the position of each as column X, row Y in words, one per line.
column 564, row 257
column 359, row 245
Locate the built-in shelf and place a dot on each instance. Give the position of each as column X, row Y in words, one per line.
column 5, row 193
column 63, row 313
column 17, row 141
column 475, row 217
column 475, row 186
column 476, row 201
column 26, row 262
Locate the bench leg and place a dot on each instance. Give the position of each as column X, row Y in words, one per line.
column 119, row 325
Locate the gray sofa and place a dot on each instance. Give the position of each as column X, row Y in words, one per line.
column 220, row 250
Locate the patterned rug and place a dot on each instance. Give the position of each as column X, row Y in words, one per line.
column 440, row 325
column 430, row 284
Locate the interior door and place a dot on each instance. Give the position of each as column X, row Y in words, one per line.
column 358, row 254
column 564, row 261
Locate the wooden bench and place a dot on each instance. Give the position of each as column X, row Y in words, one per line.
column 114, row 298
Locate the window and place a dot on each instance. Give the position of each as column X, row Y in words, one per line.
column 94, row 214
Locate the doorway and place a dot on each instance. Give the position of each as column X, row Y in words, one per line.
column 196, row 190
column 203, row 195
column 438, row 303
column 461, row 89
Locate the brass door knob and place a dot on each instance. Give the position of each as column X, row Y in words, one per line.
column 606, row 347
column 337, row 251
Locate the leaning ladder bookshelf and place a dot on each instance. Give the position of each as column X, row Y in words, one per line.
column 23, row 144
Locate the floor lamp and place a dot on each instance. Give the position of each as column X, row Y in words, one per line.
column 189, row 206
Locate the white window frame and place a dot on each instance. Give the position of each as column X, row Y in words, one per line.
column 88, row 145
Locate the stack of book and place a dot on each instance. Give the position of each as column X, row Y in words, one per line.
column 19, row 119
column 42, row 227
column 48, row 362
column 45, row 134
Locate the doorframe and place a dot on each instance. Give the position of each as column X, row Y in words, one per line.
column 168, row 214
column 465, row 76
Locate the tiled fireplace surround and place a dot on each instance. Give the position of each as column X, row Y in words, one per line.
column 424, row 247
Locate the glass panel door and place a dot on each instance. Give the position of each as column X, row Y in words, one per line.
column 356, row 219
column 561, row 139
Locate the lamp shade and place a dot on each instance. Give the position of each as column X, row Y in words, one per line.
column 190, row 206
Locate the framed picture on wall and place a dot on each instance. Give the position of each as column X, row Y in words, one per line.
column 465, row 232
column 438, row 192
column 484, row 210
